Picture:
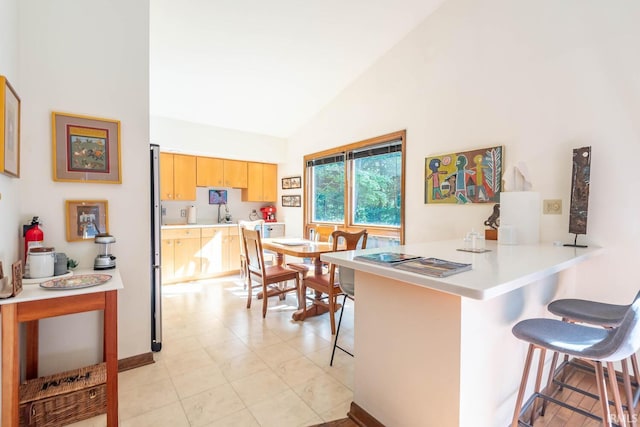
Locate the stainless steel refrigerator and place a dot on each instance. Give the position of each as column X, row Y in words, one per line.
column 155, row 270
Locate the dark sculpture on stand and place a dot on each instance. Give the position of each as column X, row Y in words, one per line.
column 579, row 193
column 493, row 222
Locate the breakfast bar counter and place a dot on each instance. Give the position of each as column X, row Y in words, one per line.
column 439, row 351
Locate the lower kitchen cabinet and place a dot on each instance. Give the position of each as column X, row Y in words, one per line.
column 220, row 251
column 234, row 249
column 212, row 243
column 180, row 254
column 199, row 253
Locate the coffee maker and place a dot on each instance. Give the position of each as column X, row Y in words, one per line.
column 268, row 213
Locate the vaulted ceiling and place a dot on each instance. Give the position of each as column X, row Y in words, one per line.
column 267, row 67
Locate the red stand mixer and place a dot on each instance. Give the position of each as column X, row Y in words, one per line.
column 268, row 213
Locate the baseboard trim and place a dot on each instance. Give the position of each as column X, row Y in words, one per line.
column 362, row 417
column 135, row 361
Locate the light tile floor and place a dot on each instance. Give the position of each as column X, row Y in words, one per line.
column 224, row 365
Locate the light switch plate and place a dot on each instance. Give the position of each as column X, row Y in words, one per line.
column 552, row 207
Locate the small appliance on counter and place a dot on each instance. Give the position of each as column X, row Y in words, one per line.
column 40, row 263
column 104, row 260
column 268, row 213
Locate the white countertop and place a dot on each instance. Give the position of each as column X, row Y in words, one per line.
column 33, row 292
column 211, row 224
column 503, row 269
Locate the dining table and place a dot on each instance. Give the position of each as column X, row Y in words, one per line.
column 301, row 248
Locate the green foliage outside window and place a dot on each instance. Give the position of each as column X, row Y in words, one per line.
column 377, row 190
column 328, row 192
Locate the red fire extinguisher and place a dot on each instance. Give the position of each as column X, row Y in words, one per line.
column 33, row 236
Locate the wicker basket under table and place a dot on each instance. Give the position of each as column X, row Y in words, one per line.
column 64, row 398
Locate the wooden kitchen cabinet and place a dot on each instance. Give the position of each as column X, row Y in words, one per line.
column 220, row 251
column 166, row 176
column 233, row 244
column 262, row 185
column 180, row 254
column 167, row 259
column 235, row 173
column 213, row 248
column 209, row 172
column 177, row 177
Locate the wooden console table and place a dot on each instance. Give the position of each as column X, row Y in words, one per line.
column 35, row 303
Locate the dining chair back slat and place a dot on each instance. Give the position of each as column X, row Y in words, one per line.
column 267, row 276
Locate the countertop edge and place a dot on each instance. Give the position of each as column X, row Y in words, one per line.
column 487, row 285
column 207, row 225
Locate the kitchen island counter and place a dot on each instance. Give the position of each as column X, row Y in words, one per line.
column 445, row 344
column 208, row 224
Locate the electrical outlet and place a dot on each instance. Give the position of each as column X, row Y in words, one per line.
column 164, row 211
column 552, row 207
column 183, row 213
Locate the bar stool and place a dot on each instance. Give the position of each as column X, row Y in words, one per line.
column 599, row 314
column 346, row 276
column 599, row 346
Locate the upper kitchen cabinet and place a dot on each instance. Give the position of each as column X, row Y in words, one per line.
column 214, row 172
column 177, row 177
column 262, row 185
column 210, row 172
column 235, row 173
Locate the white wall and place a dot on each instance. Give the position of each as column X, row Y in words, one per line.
column 198, row 139
column 89, row 58
column 9, row 186
column 540, row 78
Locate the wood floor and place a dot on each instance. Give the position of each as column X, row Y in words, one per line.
column 555, row 415
column 345, row 422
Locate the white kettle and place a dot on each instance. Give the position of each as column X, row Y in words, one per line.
column 40, row 263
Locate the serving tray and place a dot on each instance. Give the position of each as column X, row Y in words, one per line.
column 29, row 281
column 76, row 282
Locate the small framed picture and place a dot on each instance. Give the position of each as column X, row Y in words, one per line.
column 86, row 219
column 292, row 201
column 286, row 183
column 86, row 149
column 296, row 182
column 9, row 129
column 16, row 276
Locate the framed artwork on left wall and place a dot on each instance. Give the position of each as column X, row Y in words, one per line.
column 9, row 129
column 86, row 149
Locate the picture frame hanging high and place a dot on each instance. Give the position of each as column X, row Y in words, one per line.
column 86, row 149
column 291, row 182
column 9, row 129
column 85, row 219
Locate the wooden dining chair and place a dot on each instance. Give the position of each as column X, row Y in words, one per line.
column 318, row 233
column 274, row 278
column 328, row 283
column 251, row 225
column 323, row 232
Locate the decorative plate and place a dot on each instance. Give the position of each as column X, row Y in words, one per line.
column 76, row 282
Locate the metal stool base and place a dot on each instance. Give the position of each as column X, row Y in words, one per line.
column 548, row 395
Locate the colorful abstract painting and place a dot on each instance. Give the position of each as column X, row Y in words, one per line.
column 467, row 177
